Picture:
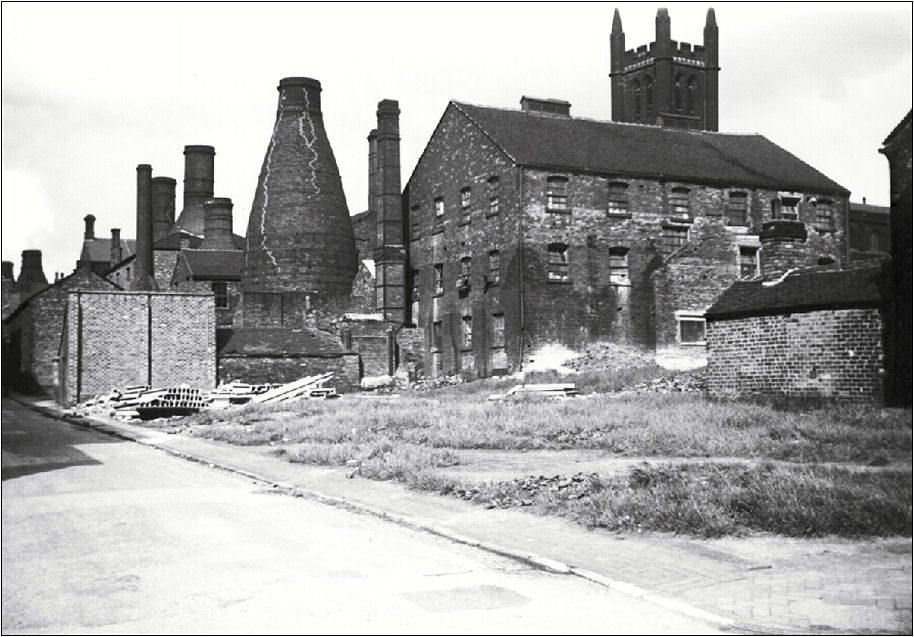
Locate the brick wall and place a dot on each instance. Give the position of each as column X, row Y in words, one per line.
column 285, row 369
column 116, row 339
column 163, row 264
column 829, row 353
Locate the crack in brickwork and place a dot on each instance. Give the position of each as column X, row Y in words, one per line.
column 266, row 180
column 310, row 144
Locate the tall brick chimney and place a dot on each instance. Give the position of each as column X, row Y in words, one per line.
column 89, row 232
column 163, row 206
column 117, row 253
column 783, row 247
column 31, row 274
column 390, row 252
column 218, row 232
column 199, row 170
column 144, row 270
column 373, row 170
column 299, row 236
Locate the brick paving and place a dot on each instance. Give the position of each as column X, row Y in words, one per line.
column 760, row 583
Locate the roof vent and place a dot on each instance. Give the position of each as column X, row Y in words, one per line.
column 547, row 106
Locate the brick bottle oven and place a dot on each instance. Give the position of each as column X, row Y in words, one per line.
column 299, row 236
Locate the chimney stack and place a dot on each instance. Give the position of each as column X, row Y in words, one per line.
column 299, row 234
column 783, row 247
column 199, row 171
column 144, row 271
column 117, row 253
column 7, row 272
column 89, row 233
column 390, row 252
column 163, row 206
column 373, row 170
column 31, row 274
column 218, row 231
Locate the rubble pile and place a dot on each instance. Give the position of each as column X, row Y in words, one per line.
column 425, row 384
column 608, row 357
column 521, row 492
column 691, row 382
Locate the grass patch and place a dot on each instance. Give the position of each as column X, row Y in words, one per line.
column 712, row 500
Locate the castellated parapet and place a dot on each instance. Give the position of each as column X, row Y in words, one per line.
column 299, row 236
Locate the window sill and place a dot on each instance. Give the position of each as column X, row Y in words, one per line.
column 695, row 344
column 466, row 350
column 464, row 222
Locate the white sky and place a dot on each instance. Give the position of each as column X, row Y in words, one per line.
column 92, row 90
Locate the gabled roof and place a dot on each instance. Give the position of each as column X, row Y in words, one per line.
column 278, row 342
column 860, row 284
column 99, row 250
column 214, row 264
column 69, row 282
column 635, row 150
column 905, row 121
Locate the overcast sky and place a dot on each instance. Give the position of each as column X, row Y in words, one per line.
column 92, row 90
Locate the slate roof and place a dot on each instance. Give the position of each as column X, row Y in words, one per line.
column 214, row 264
column 862, row 284
column 99, row 250
column 278, row 342
column 649, row 151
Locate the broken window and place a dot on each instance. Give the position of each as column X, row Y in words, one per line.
column 825, row 215
column 679, row 202
column 557, row 194
column 748, row 262
column 618, row 266
column 439, row 278
column 493, row 196
column 467, row 332
column 465, row 199
column 494, row 266
column 618, row 198
column 691, row 328
column 498, row 329
column 737, row 209
column 786, row 206
column 220, row 290
column 557, row 269
column 674, row 237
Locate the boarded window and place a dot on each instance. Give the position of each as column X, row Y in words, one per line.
column 618, row 266
column 618, row 197
column 557, row 264
column 498, row 330
column 467, row 332
column 557, row 194
column 738, row 208
column 494, row 266
column 679, row 202
column 748, row 262
column 220, row 289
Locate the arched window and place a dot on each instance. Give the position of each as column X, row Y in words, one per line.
column 677, row 94
column 649, row 98
column 692, row 95
column 637, row 105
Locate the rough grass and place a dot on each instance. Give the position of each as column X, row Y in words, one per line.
column 712, row 500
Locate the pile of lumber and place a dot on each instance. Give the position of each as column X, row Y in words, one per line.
column 547, row 390
column 236, row 393
column 308, row 387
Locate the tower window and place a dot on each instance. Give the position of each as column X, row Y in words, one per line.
column 825, row 215
column 737, row 207
column 439, row 278
column 494, row 266
column 636, row 90
column 557, row 265
column 220, row 290
column 618, row 266
column 748, row 262
column 557, row 194
column 649, row 98
column 691, row 96
column 618, row 197
column 679, row 202
column 677, row 94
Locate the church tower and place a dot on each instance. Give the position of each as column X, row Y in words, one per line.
column 665, row 83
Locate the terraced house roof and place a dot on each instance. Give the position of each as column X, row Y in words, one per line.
column 648, row 151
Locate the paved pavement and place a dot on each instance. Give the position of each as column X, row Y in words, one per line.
column 101, row 535
column 766, row 584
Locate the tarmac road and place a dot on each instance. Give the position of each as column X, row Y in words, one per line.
column 101, row 535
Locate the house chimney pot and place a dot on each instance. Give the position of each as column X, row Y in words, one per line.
column 89, row 233
column 218, row 232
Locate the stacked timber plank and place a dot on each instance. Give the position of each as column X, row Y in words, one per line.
column 546, row 390
column 308, row 387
